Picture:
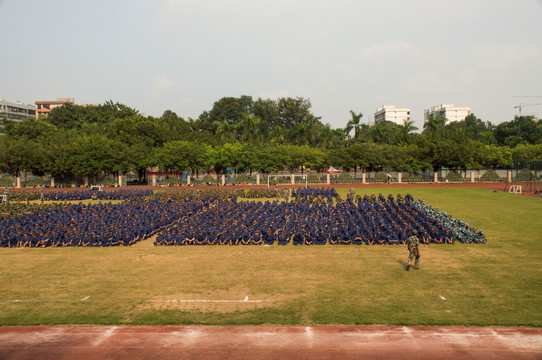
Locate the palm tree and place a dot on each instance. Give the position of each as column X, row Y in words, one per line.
column 329, row 138
column 248, row 127
column 300, row 133
column 224, row 131
column 354, row 123
column 407, row 128
column 277, row 135
column 435, row 125
column 380, row 134
column 194, row 124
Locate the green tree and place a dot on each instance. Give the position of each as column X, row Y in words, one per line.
column 225, row 132
column 527, row 153
column 228, row 109
column 230, row 155
column 385, row 132
column 139, row 157
column 248, row 128
column 472, row 127
column 435, row 126
column 296, row 111
column 493, row 156
column 267, row 158
column 300, row 134
column 405, row 134
column 267, row 110
column 172, row 156
column 293, row 157
column 178, row 128
column 329, row 138
column 152, row 132
column 354, row 124
column 277, row 135
column 521, row 130
column 30, row 128
column 12, row 154
column 58, row 150
column 92, row 155
column 70, row 116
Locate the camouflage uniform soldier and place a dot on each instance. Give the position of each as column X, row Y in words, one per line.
column 285, row 194
column 350, row 195
column 413, row 249
column 278, row 194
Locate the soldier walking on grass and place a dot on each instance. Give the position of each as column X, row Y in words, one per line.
column 413, row 249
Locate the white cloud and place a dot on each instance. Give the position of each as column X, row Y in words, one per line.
column 289, row 61
column 506, row 55
column 161, row 85
column 389, row 48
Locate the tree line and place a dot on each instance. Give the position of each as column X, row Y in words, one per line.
column 261, row 135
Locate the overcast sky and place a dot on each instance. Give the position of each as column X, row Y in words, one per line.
column 343, row 55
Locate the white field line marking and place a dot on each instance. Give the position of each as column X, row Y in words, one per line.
column 212, row 301
column 56, row 300
column 41, row 301
column 245, row 300
column 309, row 335
column 106, row 334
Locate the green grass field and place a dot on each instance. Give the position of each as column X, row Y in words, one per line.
column 499, row 283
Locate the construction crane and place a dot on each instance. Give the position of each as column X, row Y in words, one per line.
column 520, row 106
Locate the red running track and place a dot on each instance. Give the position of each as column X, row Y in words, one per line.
column 269, row 342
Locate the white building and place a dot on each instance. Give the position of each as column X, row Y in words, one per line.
column 16, row 111
column 448, row 111
column 391, row 113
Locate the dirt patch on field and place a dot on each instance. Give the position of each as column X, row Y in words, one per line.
column 223, row 301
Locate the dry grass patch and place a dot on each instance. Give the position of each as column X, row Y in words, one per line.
column 220, row 301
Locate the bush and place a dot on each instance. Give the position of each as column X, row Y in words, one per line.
column 490, row 175
column 412, row 178
column 169, row 180
column 243, row 178
column 33, row 182
column 344, row 176
column 525, row 175
column 381, row 177
column 5, row 181
column 454, row 176
column 314, row 178
column 208, row 179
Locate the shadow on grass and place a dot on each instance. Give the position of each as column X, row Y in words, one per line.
column 402, row 263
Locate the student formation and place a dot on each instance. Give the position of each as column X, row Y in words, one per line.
column 304, row 216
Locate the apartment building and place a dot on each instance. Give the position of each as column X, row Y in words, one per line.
column 391, row 113
column 448, row 111
column 44, row 107
column 16, row 111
